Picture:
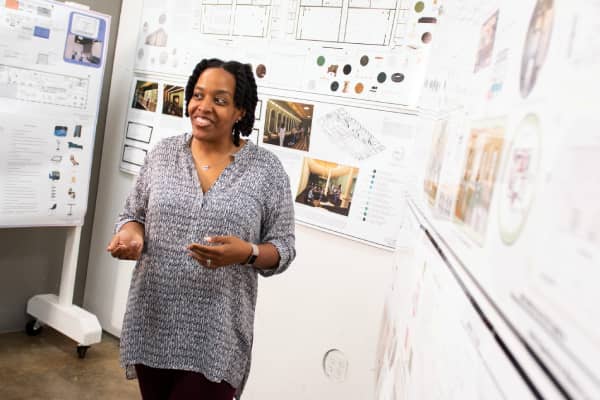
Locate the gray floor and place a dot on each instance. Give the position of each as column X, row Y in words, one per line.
column 47, row 367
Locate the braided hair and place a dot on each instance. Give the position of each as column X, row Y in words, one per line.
column 244, row 98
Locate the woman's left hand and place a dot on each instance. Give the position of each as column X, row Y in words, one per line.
column 222, row 250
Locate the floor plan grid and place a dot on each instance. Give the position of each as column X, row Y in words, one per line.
column 43, row 87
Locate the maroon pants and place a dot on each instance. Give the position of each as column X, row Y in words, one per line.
column 170, row 384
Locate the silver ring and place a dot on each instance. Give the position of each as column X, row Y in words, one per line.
column 208, row 262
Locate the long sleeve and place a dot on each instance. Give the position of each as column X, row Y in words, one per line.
column 137, row 201
column 278, row 223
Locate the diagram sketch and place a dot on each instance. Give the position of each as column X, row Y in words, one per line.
column 244, row 18
column 319, row 23
column 349, row 135
column 369, row 25
column 43, row 87
column 157, row 38
column 360, row 22
column 217, row 19
column 251, row 20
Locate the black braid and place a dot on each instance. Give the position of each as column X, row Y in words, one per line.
column 245, row 96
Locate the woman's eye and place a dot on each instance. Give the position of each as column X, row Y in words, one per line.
column 220, row 101
column 198, row 96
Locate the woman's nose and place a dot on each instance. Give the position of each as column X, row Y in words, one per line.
column 202, row 105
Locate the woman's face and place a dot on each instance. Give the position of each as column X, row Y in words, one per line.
column 212, row 110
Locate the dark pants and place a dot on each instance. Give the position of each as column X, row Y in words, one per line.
column 169, row 384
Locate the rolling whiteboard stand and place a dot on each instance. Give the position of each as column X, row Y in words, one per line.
column 59, row 311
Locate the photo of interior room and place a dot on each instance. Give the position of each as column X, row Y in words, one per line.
column 479, row 178
column 288, row 124
column 327, row 185
column 173, row 100
column 82, row 50
column 145, row 96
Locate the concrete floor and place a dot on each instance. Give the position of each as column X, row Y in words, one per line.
column 47, row 367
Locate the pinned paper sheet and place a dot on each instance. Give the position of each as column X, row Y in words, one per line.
column 14, row 4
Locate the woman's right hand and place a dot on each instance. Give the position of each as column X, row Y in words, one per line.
column 128, row 243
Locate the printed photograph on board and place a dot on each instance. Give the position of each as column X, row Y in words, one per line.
column 173, row 100
column 288, row 124
column 85, row 40
column 145, row 96
column 327, row 185
column 436, row 160
column 484, row 152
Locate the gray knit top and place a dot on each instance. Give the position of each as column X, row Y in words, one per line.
column 181, row 315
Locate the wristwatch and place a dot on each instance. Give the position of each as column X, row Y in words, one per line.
column 250, row 261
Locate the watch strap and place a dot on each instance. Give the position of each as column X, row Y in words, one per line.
column 252, row 259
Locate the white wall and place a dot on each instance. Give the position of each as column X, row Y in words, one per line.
column 332, row 296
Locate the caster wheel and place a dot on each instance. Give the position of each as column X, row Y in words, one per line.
column 33, row 328
column 81, row 350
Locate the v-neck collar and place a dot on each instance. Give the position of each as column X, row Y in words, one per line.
column 237, row 157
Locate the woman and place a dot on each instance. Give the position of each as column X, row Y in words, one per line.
column 208, row 212
column 281, row 134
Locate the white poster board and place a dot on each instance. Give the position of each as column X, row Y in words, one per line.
column 511, row 151
column 337, row 100
column 52, row 60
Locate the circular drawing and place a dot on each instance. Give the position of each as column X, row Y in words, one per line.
column 518, row 185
